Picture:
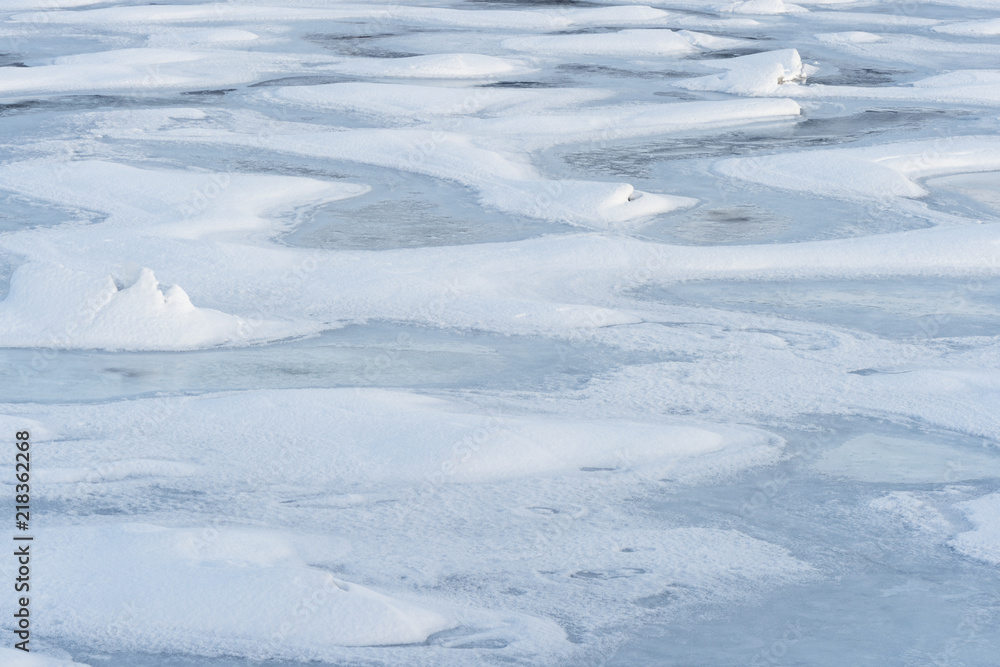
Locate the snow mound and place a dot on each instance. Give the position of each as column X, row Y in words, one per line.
column 626, row 43
column 983, row 543
column 55, row 307
column 601, row 205
column 256, row 596
column 418, row 440
column 173, row 202
column 876, row 172
column 849, row 37
column 956, row 87
column 759, row 74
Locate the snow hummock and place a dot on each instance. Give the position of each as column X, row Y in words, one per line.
column 759, row 74
column 255, row 594
column 415, row 436
column 174, row 203
column 976, row 87
column 877, row 172
column 983, row 543
column 849, row 37
column 55, row 307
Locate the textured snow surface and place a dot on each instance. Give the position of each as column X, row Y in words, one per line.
column 503, row 333
column 983, row 543
column 250, row 583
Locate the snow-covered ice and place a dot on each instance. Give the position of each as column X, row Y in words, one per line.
column 541, row 333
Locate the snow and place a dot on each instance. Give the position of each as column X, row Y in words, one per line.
column 966, row 87
column 763, row 7
column 52, row 306
column 531, row 333
column 759, row 74
column 129, row 70
column 914, row 512
column 487, row 154
column 256, row 595
column 982, row 543
column 417, row 435
column 876, row 172
column 408, row 103
column 170, row 202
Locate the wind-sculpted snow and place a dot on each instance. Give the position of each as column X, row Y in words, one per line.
column 535, row 333
column 51, row 306
column 983, row 543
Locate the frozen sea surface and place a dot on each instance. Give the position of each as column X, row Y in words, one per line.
column 536, row 333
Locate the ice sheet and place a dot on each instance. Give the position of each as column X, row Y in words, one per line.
column 531, row 333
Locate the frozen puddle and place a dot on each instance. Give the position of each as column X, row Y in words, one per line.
column 982, row 187
column 912, row 308
column 371, row 355
column 872, row 458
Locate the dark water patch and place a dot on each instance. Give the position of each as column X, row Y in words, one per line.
column 585, row 69
column 724, row 55
column 727, row 225
column 307, row 80
column 884, row 593
column 636, row 159
column 357, row 45
column 416, row 213
column 19, row 107
column 18, row 213
column 519, row 84
column 860, row 76
column 375, row 355
column 209, row 93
